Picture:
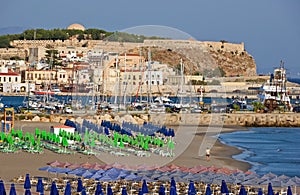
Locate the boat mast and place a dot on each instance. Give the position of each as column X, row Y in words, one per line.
column 182, row 80
column 149, row 77
column 141, row 80
column 117, row 72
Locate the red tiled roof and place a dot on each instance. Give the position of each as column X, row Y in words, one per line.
column 9, row 74
column 63, row 126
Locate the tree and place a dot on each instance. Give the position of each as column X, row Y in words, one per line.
column 53, row 58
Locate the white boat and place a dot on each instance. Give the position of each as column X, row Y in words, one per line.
column 274, row 94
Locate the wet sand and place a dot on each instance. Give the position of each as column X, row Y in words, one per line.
column 15, row 165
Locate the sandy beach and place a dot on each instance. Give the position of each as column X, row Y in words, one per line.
column 15, row 165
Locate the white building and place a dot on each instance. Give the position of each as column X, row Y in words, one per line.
column 153, row 77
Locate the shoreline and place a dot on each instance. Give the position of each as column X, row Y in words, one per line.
column 15, row 165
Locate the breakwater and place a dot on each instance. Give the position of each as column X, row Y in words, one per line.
column 232, row 119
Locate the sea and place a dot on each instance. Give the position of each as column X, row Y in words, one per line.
column 268, row 149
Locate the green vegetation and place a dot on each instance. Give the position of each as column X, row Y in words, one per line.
column 64, row 34
column 53, row 58
column 258, row 106
column 125, row 37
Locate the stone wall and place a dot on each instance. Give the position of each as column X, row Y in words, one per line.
column 234, row 119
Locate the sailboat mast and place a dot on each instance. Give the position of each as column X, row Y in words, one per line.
column 117, row 72
column 141, row 80
column 125, row 80
column 182, row 80
column 149, row 76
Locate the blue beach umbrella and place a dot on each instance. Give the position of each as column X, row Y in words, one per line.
column 109, row 190
column 83, row 192
column 53, row 190
column 99, row 190
column 242, row 191
column 289, row 191
column 270, row 189
column 162, row 190
column 208, row 190
column 173, row 183
column 68, row 189
column 12, row 190
column 27, row 184
column 2, row 188
column 40, row 186
column 27, row 192
column 260, row 192
column 145, row 187
column 124, row 191
column 140, row 191
column 79, row 185
column 192, row 190
column 224, row 189
column 173, row 190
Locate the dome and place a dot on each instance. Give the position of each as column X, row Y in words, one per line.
column 76, row 27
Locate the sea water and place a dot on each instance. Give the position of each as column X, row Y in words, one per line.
column 275, row 150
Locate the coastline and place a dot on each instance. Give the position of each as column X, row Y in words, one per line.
column 15, row 165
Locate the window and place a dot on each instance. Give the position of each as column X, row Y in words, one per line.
column 133, row 77
column 9, row 79
column 16, row 79
column 4, row 79
column 0, row 79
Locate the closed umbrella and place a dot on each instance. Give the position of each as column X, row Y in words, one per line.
column 173, row 190
column 242, row 191
column 53, row 190
column 224, row 189
column 68, row 189
column 192, row 190
column 124, row 191
column 140, row 191
column 83, row 192
column 99, row 190
column 109, row 190
column 173, row 183
column 2, row 188
column 145, row 187
column 27, row 192
column 12, row 189
column 162, row 190
column 79, row 185
column 208, row 190
column 260, row 192
column 27, row 184
column 289, row 191
column 270, row 189
column 40, row 186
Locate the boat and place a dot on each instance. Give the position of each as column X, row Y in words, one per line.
column 44, row 92
column 273, row 94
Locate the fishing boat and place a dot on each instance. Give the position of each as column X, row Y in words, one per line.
column 44, row 92
column 273, row 94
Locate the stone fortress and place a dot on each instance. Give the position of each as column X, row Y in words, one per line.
column 231, row 57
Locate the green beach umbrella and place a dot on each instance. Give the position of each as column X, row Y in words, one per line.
column 64, row 142
column 37, row 132
column 13, row 133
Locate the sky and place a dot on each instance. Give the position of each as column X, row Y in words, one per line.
column 270, row 29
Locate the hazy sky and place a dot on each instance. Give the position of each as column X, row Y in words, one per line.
column 270, row 29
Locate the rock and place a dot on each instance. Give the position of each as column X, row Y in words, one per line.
column 129, row 118
column 106, row 117
column 79, row 120
column 36, row 118
column 44, row 119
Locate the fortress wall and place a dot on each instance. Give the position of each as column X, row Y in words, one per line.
column 226, row 46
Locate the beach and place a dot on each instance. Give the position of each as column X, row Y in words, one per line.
column 18, row 164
